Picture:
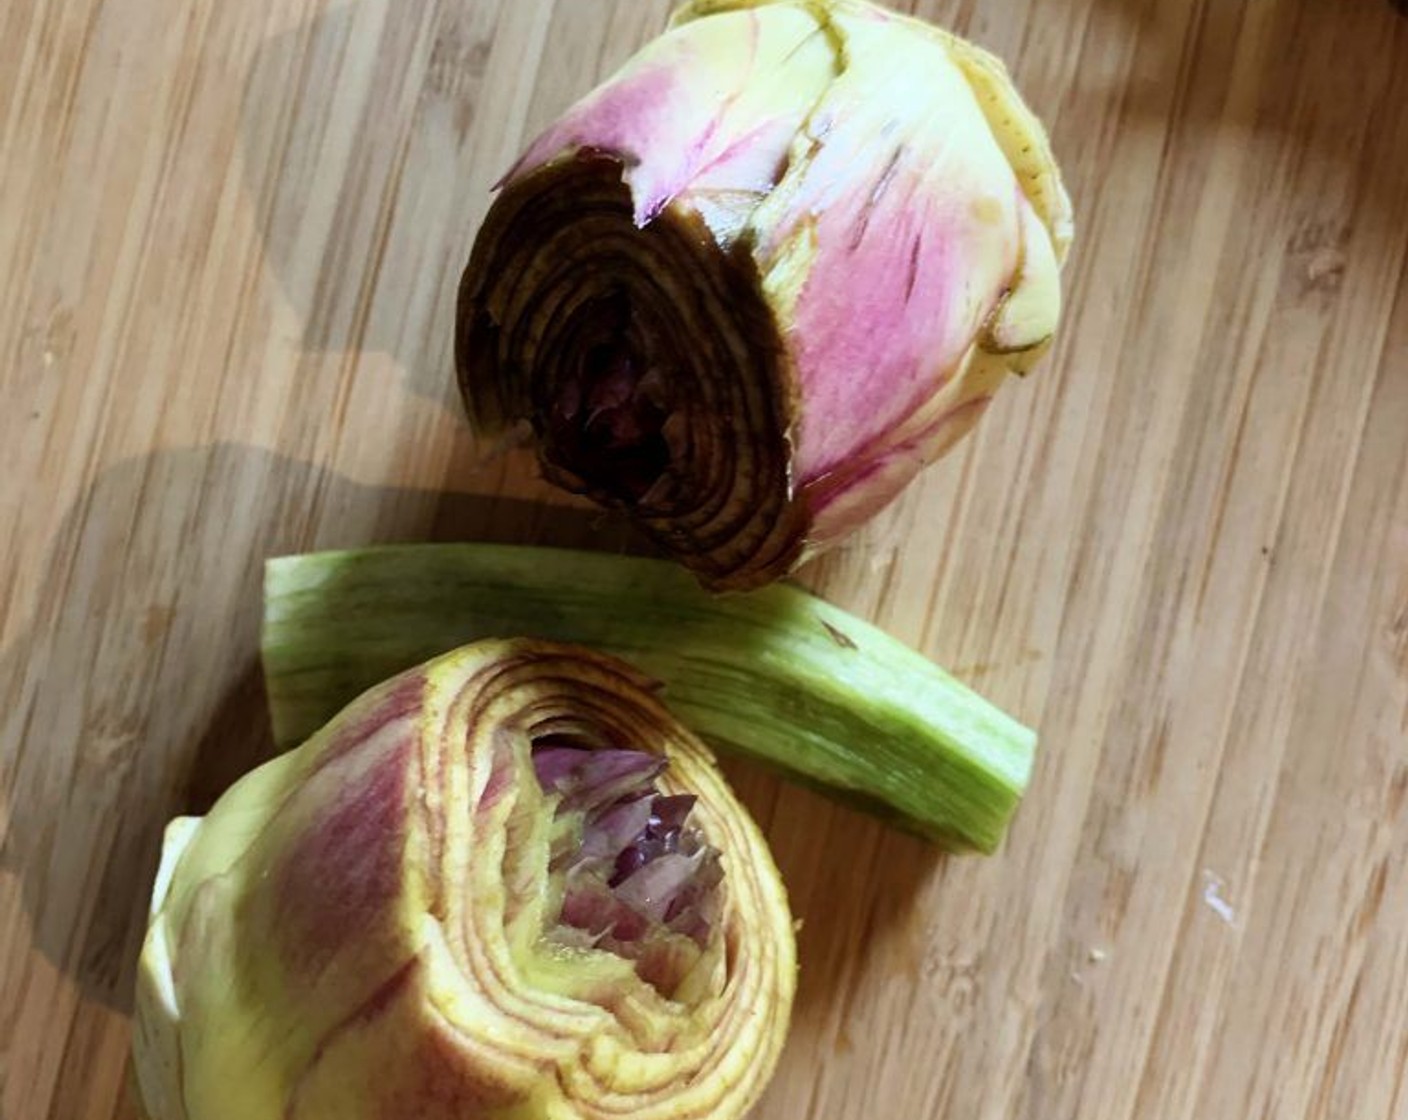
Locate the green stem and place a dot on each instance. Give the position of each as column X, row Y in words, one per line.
column 776, row 675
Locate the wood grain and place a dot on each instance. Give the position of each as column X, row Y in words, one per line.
column 231, row 234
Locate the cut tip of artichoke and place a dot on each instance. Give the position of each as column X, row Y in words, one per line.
column 748, row 287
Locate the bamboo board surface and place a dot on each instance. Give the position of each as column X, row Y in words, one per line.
column 231, row 234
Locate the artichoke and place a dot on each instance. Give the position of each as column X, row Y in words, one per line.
column 503, row 884
column 749, row 286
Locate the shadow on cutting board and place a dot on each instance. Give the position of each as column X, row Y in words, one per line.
column 358, row 222
column 152, row 608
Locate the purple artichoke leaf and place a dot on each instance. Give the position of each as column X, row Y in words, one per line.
column 609, row 776
column 672, row 812
column 612, row 829
column 651, row 889
column 555, row 765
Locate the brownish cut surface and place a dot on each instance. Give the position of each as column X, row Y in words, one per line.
column 232, row 234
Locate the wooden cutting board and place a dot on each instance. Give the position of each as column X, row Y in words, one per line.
column 231, row 233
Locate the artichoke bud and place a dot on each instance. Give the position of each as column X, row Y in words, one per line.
column 750, row 285
column 504, row 884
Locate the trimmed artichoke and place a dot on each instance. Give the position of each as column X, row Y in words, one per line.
column 505, row 884
column 749, row 286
